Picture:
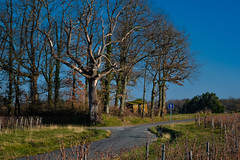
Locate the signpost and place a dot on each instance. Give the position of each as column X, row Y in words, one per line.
column 170, row 106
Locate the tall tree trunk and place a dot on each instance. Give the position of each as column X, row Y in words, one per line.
column 144, row 89
column 160, row 99
column 50, row 87
column 118, row 91
column 56, row 84
column 107, row 94
column 86, row 87
column 10, row 62
column 73, row 89
column 48, row 75
column 34, row 93
column 17, row 93
column 93, row 100
column 163, row 99
column 59, row 41
column 108, row 78
column 153, row 98
column 10, row 84
column 123, row 97
column 86, row 92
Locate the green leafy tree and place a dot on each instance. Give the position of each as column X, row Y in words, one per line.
column 207, row 101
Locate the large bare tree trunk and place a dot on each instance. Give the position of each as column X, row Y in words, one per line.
column 34, row 92
column 56, row 84
column 10, row 62
column 50, row 87
column 93, row 100
column 163, row 108
column 47, row 72
column 86, row 92
column 153, row 98
column 107, row 94
column 108, row 78
column 144, row 89
column 123, row 97
column 17, row 92
column 118, row 91
column 160, row 99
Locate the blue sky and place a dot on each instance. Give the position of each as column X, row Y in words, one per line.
column 214, row 28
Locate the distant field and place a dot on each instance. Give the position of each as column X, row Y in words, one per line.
column 109, row 120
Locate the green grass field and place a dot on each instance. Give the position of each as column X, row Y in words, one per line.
column 18, row 143
column 174, row 135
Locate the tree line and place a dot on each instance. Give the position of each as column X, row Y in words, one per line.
column 109, row 43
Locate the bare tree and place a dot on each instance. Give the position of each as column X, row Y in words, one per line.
column 7, row 43
column 91, row 21
column 175, row 61
column 132, row 49
column 47, row 70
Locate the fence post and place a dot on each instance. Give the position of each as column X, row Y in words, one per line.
column 31, row 122
column 186, row 148
column 11, row 126
column 85, row 153
column 227, row 126
column 208, row 154
column 16, row 125
column 40, row 122
column 213, row 123
column 199, row 121
column 37, row 122
column 205, row 122
column 221, row 123
column 190, row 155
column 21, row 123
column 147, row 150
column 163, row 152
column 196, row 119
column 212, row 147
column 26, row 123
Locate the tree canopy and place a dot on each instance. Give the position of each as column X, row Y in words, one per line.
column 207, row 101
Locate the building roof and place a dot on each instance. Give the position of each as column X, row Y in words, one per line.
column 138, row 101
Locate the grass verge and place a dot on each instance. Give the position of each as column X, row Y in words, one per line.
column 175, row 137
column 18, row 143
column 109, row 120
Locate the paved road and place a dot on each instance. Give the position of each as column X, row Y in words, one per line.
column 122, row 138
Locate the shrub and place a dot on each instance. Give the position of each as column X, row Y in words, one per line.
column 207, row 101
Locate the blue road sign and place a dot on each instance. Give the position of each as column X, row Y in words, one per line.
column 170, row 106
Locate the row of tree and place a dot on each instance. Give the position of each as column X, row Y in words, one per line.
column 111, row 41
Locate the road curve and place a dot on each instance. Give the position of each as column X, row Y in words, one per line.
column 122, row 138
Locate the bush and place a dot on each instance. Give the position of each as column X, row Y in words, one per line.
column 207, row 101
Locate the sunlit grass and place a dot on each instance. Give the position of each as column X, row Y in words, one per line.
column 109, row 120
column 17, row 143
column 170, row 134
